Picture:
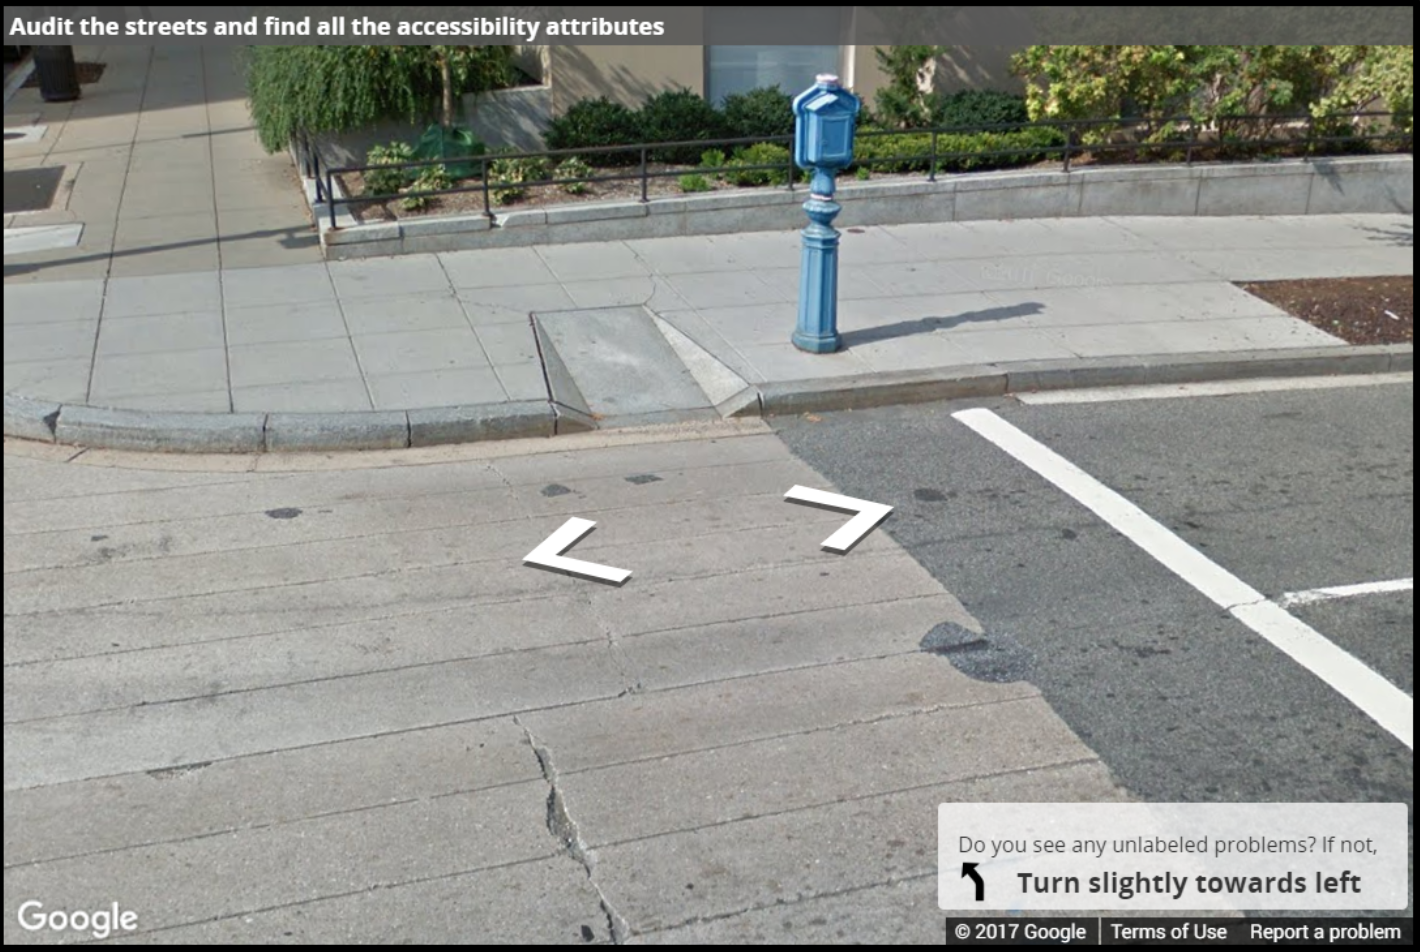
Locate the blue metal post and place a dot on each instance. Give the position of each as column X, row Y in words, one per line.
column 817, row 332
column 824, row 120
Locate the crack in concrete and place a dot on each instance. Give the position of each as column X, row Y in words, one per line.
column 564, row 829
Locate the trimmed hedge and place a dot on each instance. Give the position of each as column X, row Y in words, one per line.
column 679, row 115
column 976, row 109
column 597, row 123
column 673, row 116
column 911, row 151
column 766, row 112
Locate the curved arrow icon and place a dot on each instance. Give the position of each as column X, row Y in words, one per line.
column 549, row 555
column 968, row 870
column 869, row 515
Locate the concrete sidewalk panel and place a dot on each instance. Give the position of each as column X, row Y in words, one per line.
column 321, row 432
column 144, row 430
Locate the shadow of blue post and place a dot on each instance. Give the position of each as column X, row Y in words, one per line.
column 825, row 117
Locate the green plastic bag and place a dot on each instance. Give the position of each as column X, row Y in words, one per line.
column 451, row 145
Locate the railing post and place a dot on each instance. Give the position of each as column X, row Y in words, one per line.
column 645, row 197
column 1069, row 145
column 330, row 190
column 483, row 177
column 1192, row 141
column 791, row 168
column 932, row 169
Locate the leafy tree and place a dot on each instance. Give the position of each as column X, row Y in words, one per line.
column 1374, row 77
column 1210, row 83
column 902, row 102
column 332, row 89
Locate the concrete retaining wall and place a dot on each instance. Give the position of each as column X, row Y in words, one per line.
column 1353, row 185
column 516, row 118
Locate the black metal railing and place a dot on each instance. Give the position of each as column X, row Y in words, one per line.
column 1311, row 135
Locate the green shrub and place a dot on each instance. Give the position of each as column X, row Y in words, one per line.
column 901, row 103
column 678, row 115
column 574, row 168
column 455, row 146
column 389, row 181
column 977, row 108
column 694, row 183
column 508, row 178
column 760, row 113
column 742, row 173
column 899, row 152
column 597, row 123
column 712, row 161
column 864, row 173
column 432, row 178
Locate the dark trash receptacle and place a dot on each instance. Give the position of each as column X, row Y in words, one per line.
column 58, row 75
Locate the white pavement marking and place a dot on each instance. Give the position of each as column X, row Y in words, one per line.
column 19, row 241
column 1217, row 388
column 1314, row 595
column 25, row 135
column 549, row 554
column 1383, row 702
column 869, row 514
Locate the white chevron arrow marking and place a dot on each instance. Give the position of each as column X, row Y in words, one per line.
column 549, row 555
column 869, row 515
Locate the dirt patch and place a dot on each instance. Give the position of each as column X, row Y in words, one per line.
column 1357, row 310
column 89, row 73
column 538, row 196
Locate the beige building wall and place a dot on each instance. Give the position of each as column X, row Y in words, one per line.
column 625, row 74
column 629, row 74
column 961, row 68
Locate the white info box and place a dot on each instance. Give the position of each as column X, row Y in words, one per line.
column 1173, row 857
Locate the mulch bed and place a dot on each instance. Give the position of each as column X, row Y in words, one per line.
column 1357, row 310
column 89, row 73
column 538, row 196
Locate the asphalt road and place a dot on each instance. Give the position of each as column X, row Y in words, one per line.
column 1289, row 491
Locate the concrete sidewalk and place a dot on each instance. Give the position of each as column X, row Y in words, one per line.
column 198, row 287
column 162, row 172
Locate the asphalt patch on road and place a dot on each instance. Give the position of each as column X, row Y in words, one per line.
column 995, row 658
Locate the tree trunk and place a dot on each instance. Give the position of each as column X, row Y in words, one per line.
column 446, row 75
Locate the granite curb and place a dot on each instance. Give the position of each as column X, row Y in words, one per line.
column 41, row 420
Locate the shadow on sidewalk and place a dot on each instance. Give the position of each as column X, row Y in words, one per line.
column 926, row 325
column 1399, row 236
column 290, row 238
